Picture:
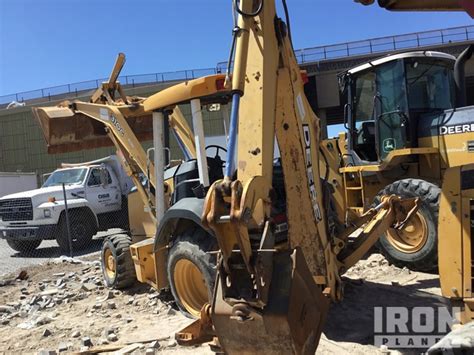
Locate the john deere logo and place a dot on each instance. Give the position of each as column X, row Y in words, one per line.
column 388, row 145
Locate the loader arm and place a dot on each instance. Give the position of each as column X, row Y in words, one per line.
column 105, row 119
column 73, row 126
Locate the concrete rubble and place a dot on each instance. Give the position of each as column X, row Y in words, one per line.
column 72, row 310
column 64, row 307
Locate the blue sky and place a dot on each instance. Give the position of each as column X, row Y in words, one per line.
column 52, row 42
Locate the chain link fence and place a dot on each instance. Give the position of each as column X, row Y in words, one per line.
column 36, row 229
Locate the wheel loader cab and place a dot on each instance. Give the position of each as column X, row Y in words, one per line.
column 387, row 99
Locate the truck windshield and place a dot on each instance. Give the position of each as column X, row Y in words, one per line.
column 68, row 177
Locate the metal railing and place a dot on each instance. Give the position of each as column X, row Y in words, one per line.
column 81, row 88
column 384, row 44
column 381, row 44
column 305, row 55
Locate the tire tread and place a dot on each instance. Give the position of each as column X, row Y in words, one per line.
column 429, row 195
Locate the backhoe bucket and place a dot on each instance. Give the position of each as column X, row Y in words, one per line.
column 68, row 131
column 291, row 322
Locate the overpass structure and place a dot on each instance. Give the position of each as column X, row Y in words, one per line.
column 22, row 147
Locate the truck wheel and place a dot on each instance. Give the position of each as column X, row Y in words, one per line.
column 416, row 245
column 82, row 228
column 24, row 246
column 191, row 270
column 116, row 262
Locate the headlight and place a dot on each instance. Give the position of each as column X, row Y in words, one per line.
column 47, row 213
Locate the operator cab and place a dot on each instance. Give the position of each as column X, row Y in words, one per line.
column 386, row 99
column 185, row 176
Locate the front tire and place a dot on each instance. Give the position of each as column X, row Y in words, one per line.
column 24, row 246
column 117, row 263
column 82, row 226
column 416, row 245
column 191, row 271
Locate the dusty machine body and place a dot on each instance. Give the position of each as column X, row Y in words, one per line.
column 272, row 296
column 272, row 293
column 162, row 186
column 406, row 122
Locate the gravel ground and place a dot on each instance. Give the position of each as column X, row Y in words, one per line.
column 11, row 260
column 63, row 305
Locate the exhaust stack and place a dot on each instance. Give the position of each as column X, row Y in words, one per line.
column 460, row 77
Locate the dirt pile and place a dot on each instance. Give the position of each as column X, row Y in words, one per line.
column 63, row 306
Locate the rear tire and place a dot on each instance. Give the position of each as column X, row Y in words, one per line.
column 82, row 227
column 192, row 270
column 24, row 246
column 416, row 246
column 117, row 263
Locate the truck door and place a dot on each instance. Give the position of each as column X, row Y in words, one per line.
column 102, row 197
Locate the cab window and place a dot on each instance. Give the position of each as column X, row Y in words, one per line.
column 364, row 98
column 392, row 107
column 430, row 85
column 364, row 124
column 94, row 177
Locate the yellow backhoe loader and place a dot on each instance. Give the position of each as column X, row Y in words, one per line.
column 272, row 296
column 162, row 187
column 272, row 291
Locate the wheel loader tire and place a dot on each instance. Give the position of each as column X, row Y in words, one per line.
column 24, row 246
column 116, row 262
column 82, row 226
column 191, row 270
column 416, row 245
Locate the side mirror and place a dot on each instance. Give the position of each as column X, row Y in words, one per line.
column 104, row 181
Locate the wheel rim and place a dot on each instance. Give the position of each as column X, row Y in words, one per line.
column 190, row 286
column 412, row 238
column 109, row 264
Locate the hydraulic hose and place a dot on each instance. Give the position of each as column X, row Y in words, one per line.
column 248, row 14
column 234, row 119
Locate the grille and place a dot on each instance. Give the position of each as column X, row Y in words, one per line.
column 470, row 146
column 18, row 209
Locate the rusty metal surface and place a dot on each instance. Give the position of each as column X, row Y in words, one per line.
column 290, row 323
column 198, row 332
column 67, row 131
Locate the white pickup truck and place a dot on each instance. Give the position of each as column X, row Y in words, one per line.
column 96, row 194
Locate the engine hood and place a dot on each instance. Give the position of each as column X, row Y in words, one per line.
column 47, row 192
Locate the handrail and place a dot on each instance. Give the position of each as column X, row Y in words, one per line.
column 304, row 55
